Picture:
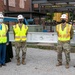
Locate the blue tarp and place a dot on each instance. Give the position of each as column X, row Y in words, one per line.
column 26, row 22
column 30, row 20
column 6, row 19
column 12, row 19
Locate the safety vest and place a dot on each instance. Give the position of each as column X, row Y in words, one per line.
column 3, row 37
column 20, row 33
column 63, row 35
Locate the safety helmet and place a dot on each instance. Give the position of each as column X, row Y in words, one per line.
column 64, row 16
column 1, row 15
column 20, row 17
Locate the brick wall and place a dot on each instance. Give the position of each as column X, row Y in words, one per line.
column 1, row 6
column 17, row 8
column 26, row 7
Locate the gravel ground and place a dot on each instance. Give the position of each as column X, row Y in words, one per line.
column 39, row 62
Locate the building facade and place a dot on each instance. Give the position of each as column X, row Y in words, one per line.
column 15, row 5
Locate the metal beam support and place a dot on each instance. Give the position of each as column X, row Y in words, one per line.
column 30, row 9
column 61, row 0
column 39, row 8
column 39, row 1
column 7, row 5
column 51, row 1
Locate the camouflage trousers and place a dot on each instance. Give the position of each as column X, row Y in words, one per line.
column 63, row 46
column 20, row 46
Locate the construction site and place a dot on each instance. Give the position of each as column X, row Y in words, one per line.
column 41, row 17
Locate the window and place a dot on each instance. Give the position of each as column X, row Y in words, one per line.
column 4, row 2
column 22, row 3
column 11, row 2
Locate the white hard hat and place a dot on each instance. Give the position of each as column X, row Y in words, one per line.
column 1, row 15
column 20, row 17
column 64, row 16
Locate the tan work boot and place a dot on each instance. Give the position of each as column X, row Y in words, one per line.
column 59, row 64
column 67, row 66
column 23, row 61
column 18, row 62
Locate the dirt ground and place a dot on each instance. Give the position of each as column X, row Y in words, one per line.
column 39, row 62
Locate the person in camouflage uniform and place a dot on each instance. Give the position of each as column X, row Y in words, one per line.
column 20, row 35
column 63, row 41
column 23, row 47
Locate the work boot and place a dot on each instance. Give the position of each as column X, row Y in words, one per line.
column 59, row 64
column 67, row 65
column 3, row 64
column 73, row 66
column 18, row 62
column 23, row 61
column 0, row 65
